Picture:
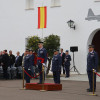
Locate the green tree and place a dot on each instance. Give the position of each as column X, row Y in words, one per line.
column 32, row 43
column 51, row 43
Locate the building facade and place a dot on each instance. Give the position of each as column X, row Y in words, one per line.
column 19, row 19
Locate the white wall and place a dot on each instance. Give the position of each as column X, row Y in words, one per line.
column 12, row 25
column 16, row 24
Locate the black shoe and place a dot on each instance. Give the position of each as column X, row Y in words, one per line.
column 39, row 83
column 89, row 90
column 57, row 83
column 66, row 76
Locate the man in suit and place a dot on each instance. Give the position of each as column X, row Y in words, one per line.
column 11, row 59
column 62, row 54
column 11, row 65
column 27, row 65
column 92, row 63
column 18, row 60
column 67, row 63
column 41, row 60
column 5, row 63
column 18, row 64
column 56, row 66
column 23, row 57
column 0, row 57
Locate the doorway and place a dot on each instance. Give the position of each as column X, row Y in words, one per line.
column 96, row 43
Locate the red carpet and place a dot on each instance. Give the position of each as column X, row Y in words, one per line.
column 45, row 86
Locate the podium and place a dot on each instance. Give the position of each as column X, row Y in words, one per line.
column 45, row 86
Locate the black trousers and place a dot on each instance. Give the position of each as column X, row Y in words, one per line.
column 27, row 78
column 56, row 77
column 67, row 68
column 5, row 74
column 63, row 67
column 90, row 77
column 41, row 74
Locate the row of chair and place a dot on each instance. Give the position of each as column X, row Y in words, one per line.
column 13, row 72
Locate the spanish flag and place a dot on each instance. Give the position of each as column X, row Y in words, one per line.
column 42, row 17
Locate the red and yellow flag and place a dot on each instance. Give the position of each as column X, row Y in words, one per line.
column 42, row 17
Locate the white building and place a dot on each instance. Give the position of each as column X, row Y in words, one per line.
column 19, row 19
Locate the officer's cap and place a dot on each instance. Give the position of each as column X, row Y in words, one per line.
column 67, row 51
column 27, row 50
column 40, row 42
column 31, row 50
column 56, row 50
column 91, row 46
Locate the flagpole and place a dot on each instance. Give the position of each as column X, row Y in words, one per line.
column 42, row 3
column 42, row 28
column 42, row 33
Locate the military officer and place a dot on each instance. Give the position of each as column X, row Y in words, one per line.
column 67, row 63
column 27, row 65
column 41, row 60
column 32, row 62
column 56, row 67
column 92, row 63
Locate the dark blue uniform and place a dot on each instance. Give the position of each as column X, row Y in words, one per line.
column 62, row 67
column 92, row 63
column 41, row 58
column 31, row 60
column 27, row 67
column 56, row 68
column 67, row 64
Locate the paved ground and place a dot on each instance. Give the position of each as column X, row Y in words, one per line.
column 72, row 90
column 76, row 77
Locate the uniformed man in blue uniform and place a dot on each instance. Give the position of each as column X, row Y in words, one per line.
column 56, row 66
column 41, row 60
column 32, row 62
column 67, row 60
column 92, row 63
column 27, row 65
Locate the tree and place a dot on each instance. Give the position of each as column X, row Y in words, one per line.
column 51, row 43
column 32, row 43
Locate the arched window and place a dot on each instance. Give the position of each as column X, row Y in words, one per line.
column 29, row 4
column 55, row 3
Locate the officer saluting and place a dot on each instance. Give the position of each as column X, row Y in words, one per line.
column 41, row 59
column 92, row 63
column 56, row 66
column 67, row 63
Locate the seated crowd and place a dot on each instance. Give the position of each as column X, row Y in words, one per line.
column 11, row 65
